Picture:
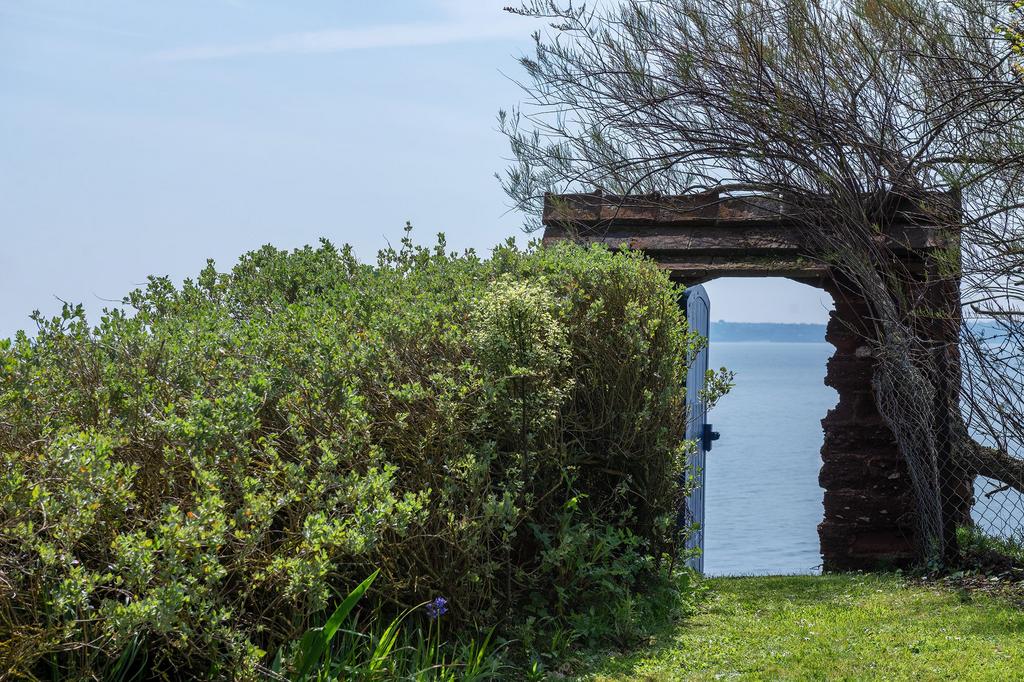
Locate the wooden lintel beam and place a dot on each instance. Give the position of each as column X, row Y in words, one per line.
column 703, row 224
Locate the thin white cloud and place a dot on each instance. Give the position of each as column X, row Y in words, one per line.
column 466, row 23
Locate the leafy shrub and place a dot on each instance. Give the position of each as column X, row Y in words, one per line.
column 195, row 480
column 981, row 550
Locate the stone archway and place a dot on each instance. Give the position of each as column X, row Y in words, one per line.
column 869, row 508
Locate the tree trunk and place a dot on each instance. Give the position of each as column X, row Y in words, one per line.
column 996, row 464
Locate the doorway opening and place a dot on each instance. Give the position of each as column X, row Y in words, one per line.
column 763, row 502
column 869, row 508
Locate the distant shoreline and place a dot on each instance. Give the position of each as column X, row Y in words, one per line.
column 716, row 340
column 771, row 332
column 790, row 332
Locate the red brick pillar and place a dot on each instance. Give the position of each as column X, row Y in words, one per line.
column 869, row 507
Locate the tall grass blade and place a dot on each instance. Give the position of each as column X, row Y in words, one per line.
column 315, row 641
column 385, row 645
column 475, row 658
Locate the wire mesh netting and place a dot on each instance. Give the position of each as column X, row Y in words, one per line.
column 998, row 510
column 993, row 403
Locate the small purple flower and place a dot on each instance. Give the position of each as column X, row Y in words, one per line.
column 436, row 608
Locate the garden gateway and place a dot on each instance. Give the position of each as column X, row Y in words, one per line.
column 870, row 514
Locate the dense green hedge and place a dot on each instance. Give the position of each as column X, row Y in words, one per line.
column 201, row 476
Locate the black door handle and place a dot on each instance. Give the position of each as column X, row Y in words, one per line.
column 709, row 437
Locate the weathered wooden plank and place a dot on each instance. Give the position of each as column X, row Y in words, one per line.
column 594, row 209
column 701, row 270
column 692, row 239
column 705, row 224
column 728, row 239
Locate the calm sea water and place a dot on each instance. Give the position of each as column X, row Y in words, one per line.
column 763, row 503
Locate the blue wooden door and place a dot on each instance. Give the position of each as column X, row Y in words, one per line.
column 698, row 316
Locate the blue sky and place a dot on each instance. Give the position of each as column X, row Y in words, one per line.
column 142, row 138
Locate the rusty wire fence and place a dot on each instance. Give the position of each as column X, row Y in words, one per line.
column 992, row 366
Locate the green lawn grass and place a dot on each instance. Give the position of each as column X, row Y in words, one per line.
column 837, row 627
